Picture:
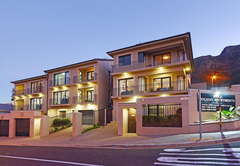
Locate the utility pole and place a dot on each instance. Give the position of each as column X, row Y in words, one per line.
column 220, row 112
column 200, row 113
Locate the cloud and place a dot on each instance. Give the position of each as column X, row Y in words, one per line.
column 12, row 73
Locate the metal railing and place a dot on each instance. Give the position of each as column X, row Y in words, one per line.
column 35, row 107
column 84, row 77
column 151, row 88
column 19, row 92
column 58, row 82
column 84, row 99
column 37, row 89
column 149, row 62
column 19, row 107
column 58, row 101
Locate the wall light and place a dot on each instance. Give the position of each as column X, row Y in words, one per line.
column 164, row 95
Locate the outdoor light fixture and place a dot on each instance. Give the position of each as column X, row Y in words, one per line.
column 164, row 95
column 160, row 68
column 187, row 69
column 125, row 73
column 213, row 77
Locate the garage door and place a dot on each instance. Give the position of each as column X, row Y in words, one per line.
column 22, row 127
column 87, row 117
column 4, row 128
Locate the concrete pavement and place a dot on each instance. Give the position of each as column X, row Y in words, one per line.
column 106, row 137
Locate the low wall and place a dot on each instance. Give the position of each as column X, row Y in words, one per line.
column 215, row 126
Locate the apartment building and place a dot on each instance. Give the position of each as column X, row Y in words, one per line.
column 30, row 94
column 149, row 81
column 82, row 87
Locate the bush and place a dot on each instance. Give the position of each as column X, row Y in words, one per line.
column 61, row 122
column 159, row 121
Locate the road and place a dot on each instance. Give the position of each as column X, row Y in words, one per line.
column 227, row 154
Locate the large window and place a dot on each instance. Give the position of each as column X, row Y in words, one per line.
column 36, row 87
column 162, row 115
column 61, row 97
column 162, row 59
column 36, row 104
column 142, row 84
column 180, row 82
column 61, row 78
column 141, row 57
column 90, row 75
column 62, row 114
column 161, row 84
column 125, row 86
column 125, row 60
column 90, row 96
column 180, row 56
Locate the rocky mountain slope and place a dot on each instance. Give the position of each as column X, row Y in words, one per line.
column 225, row 66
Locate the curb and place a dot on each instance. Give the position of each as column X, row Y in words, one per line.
column 141, row 146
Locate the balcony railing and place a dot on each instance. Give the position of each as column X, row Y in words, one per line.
column 58, row 82
column 58, row 101
column 149, row 62
column 19, row 107
column 38, row 89
column 19, row 92
column 84, row 77
column 151, row 88
column 84, row 99
column 35, row 107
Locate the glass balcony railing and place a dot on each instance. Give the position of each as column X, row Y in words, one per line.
column 59, row 82
column 84, row 99
column 151, row 88
column 58, row 101
column 84, row 77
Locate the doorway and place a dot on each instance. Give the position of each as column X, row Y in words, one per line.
column 132, row 120
column 22, row 127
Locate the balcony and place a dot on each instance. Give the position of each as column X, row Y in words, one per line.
column 84, row 99
column 151, row 88
column 147, row 64
column 19, row 92
column 59, row 101
column 35, row 107
column 27, row 107
column 59, row 82
column 38, row 89
column 84, row 78
column 19, row 107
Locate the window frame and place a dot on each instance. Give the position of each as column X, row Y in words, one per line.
column 123, row 62
column 57, row 79
column 154, row 58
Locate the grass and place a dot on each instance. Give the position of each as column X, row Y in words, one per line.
column 95, row 126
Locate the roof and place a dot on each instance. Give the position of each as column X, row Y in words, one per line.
column 29, row 79
column 76, row 64
column 152, row 41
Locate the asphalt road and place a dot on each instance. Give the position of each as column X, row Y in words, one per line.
column 227, row 154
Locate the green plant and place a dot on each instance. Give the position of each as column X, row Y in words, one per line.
column 228, row 114
column 91, row 128
column 56, row 129
column 98, row 124
column 61, row 122
column 69, row 124
column 63, row 127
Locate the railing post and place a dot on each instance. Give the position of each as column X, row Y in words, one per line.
column 105, row 119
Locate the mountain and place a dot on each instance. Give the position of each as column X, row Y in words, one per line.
column 225, row 66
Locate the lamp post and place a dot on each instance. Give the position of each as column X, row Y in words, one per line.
column 213, row 77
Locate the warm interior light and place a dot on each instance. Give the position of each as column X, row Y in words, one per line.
column 135, row 97
column 187, row 69
column 165, row 57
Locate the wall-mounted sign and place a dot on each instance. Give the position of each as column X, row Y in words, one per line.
column 21, row 114
column 2, row 117
column 139, row 112
column 210, row 103
column 184, row 98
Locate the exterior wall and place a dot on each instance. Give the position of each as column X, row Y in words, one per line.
column 25, row 98
column 202, row 86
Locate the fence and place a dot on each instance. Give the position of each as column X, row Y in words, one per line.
column 64, row 116
column 162, row 115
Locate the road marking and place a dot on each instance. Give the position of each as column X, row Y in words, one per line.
column 200, row 150
column 45, row 160
column 187, row 154
column 157, row 163
column 216, row 161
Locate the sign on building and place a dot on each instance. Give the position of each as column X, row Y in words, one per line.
column 210, row 103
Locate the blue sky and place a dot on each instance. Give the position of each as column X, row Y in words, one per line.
column 71, row 31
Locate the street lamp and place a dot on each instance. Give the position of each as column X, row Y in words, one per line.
column 217, row 95
column 213, row 77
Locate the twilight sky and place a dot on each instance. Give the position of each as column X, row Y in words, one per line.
column 36, row 35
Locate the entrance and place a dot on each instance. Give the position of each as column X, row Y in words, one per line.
column 132, row 120
column 4, row 128
column 22, row 127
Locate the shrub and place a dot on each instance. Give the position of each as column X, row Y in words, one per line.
column 61, row 122
column 159, row 121
column 56, row 129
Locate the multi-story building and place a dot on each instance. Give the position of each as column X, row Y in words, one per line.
column 30, row 94
column 149, row 80
column 82, row 87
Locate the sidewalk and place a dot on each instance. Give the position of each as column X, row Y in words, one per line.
column 106, row 137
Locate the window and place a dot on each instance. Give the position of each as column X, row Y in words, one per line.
column 61, row 97
column 125, row 60
column 80, row 96
column 109, row 77
column 181, row 82
column 162, row 84
column 180, row 56
column 36, row 87
column 80, row 76
column 142, row 84
column 90, row 96
column 62, row 114
column 125, row 86
column 36, row 104
column 162, row 59
column 61, row 78
column 141, row 57
column 90, row 75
